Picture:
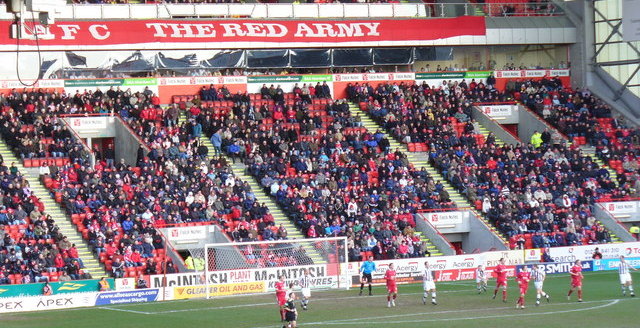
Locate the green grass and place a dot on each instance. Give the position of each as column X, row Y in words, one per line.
column 459, row 305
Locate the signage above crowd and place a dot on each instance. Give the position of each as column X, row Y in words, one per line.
column 167, row 87
column 232, row 34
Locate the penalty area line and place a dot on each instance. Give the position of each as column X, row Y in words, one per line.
column 496, row 316
column 332, row 299
column 358, row 321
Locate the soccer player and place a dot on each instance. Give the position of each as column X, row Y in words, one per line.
column 291, row 315
column 305, row 287
column 576, row 280
column 523, row 278
column 428, row 284
column 481, row 279
column 366, row 269
column 538, row 281
column 501, row 280
column 625, row 277
column 392, row 288
column 281, row 296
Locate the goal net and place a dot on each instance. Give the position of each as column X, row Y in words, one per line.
column 254, row 267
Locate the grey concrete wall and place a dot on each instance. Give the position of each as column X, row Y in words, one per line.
column 529, row 123
column 436, row 238
column 610, row 90
column 582, row 50
column 480, row 237
column 493, row 126
column 612, row 224
column 126, row 143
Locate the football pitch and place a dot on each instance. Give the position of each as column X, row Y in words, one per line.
column 459, row 305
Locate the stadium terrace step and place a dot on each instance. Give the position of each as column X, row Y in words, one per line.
column 591, row 152
column 67, row 228
column 279, row 217
column 418, row 159
column 485, row 132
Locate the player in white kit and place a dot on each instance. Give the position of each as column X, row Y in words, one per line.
column 305, row 288
column 538, row 276
column 625, row 277
column 481, row 279
column 428, row 284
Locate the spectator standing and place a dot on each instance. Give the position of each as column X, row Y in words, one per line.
column 110, row 155
column 635, row 231
column 103, row 285
column 46, row 289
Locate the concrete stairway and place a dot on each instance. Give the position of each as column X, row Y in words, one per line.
column 591, row 152
column 485, row 132
column 239, row 170
column 67, row 228
column 418, row 159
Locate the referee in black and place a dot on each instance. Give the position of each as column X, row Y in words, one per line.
column 291, row 315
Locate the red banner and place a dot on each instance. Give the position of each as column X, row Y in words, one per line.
column 243, row 33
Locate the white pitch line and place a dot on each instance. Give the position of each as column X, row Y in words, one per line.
column 497, row 316
column 356, row 321
column 123, row 310
column 273, row 303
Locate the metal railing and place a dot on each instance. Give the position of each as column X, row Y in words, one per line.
column 301, row 11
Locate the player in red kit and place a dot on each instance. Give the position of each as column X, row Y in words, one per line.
column 281, row 296
column 576, row 280
column 501, row 280
column 523, row 278
column 392, row 288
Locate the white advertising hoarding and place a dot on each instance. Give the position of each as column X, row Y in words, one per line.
column 585, row 252
column 187, row 233
column 617, row 208
column 323, row 276
column 444, row 218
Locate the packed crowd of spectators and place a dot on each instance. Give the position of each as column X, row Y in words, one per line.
column 172, row 183
column 219, row 195
column 438, row 116
column 32, row 249
column 39, row 111
column 331, row 176
column 537, row 195
column 30, row 127
column 586, row 119
column 523, row 189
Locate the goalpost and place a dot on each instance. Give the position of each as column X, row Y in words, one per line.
column 254, row 267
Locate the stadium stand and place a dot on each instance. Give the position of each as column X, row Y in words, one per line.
column 305, row 148
column 32, row 249
column 515, row 186
column 587, row 120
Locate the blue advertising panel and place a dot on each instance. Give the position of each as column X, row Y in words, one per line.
column 133, row 296
column 613, row 264
column 559, row 267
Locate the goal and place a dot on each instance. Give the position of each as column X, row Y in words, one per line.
column 254, row 267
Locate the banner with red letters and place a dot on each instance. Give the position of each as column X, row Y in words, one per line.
column 241, row 33
column 446, row 268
